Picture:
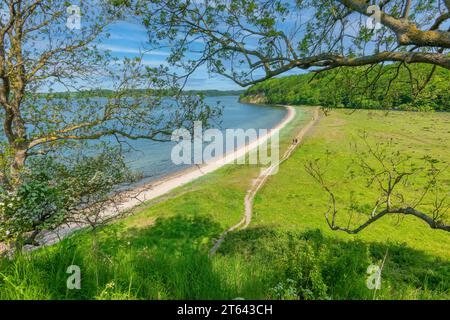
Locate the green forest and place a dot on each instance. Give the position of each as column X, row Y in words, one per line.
column 395, row 86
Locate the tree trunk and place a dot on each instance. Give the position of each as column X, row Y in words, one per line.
column 20, row 156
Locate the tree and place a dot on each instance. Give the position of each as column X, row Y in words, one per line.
column 250, row 41
column 39, row 51
column 46, row 45
column 70, row 191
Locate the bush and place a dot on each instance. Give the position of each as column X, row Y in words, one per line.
column 55, row 191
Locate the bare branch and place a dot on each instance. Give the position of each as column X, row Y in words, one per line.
column 389, row 170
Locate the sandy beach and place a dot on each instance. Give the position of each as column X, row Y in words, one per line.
column 129, row 199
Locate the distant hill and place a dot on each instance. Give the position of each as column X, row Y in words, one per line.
column 217, row 93
column 366, row 88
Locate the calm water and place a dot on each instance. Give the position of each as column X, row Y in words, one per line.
column 152, row 159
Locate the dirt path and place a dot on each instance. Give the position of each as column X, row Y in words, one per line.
column 259, row 182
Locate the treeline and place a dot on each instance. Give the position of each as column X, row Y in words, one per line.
column 105, row 93
column 395, row 86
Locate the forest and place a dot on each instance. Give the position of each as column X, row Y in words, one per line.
column 396, row 86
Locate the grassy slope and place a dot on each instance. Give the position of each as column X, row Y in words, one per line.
column 161, row 252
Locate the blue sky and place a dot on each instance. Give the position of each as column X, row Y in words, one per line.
column 128, row 39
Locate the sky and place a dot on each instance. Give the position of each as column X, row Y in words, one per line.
column 128, row 40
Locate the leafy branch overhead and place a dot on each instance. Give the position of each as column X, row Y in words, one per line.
column 251, row 41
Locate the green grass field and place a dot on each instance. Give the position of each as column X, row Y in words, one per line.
column 288, row 252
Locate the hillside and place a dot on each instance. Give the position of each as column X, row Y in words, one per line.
column 354, row 88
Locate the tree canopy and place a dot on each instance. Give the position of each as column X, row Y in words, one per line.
column 253, row 40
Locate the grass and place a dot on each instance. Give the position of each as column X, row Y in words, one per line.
column 283, row 200
column 161, row 252
column 417, row 255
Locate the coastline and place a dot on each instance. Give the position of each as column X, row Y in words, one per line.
column 127, row 200
column 173, row 180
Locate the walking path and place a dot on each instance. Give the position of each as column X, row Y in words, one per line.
column 259, row 182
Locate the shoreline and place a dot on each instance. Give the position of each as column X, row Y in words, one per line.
column 194, row 172
column 128, row 199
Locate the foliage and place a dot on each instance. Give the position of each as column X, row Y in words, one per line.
column 55, row 191
column 360, row 88
column 249, row 41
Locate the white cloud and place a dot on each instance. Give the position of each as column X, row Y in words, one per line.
column 123, row 49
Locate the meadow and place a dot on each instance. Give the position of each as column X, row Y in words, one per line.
column 288, row 252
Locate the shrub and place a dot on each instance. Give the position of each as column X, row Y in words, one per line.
column 55, row 191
